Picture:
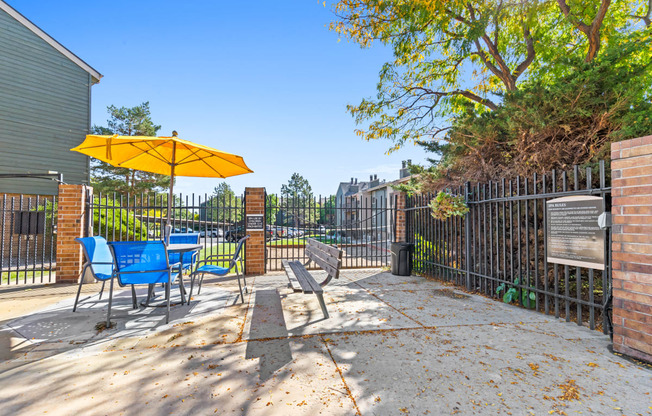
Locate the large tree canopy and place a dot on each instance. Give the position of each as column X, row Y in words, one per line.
column 449, row 53
column 499, row 87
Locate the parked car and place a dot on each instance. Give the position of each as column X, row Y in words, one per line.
column 280, row 232
column 234, row 234
column 270, row 233
column 215, row 232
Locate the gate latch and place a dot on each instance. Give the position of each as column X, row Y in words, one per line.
column 604, row 220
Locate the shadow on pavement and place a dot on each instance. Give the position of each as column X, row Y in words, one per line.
column 267, row 322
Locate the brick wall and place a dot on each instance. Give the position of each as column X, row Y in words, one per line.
column 401, row 228
column 255, row 245
column 631, row 171
column 71, row 224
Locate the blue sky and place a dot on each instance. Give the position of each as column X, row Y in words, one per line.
column 264, row 80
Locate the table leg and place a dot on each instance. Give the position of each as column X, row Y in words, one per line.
column 182, row 289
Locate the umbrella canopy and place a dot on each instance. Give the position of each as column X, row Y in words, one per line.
column 164, row 155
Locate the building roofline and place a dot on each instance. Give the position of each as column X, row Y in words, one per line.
column 51, row 41
column 386, row 184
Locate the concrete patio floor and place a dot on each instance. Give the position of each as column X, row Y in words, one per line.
column 392, row 346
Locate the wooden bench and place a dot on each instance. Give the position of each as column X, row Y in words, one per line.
column 327, row 257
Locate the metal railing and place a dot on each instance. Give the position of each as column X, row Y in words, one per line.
column 363, row 229
column 501, row 241
column 219, row 220
column 28, row 227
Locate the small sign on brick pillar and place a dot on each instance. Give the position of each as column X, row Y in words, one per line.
column 631, row 190
column 255, row 245
column 401, row 228
column 71, row 223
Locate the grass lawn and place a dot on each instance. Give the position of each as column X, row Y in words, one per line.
column 10, row 277
column 219, row 249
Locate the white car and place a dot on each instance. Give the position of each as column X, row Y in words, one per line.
column 215, row 232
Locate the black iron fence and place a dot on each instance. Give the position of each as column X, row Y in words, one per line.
column 500, row 245
column 218, row 219
column 28, row 227
column 362, row 226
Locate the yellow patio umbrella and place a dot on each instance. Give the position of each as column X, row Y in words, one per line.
column 165, row 155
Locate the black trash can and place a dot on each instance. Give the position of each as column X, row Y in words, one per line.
column 402, row 259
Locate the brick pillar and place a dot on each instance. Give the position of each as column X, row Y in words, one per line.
column 255, row 245
column 631, row 173
column 401, row 226
column 71, row 223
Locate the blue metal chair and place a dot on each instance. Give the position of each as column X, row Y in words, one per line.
column 214, row 269
column 188, row 260
column 142, row 262
column 99, row 261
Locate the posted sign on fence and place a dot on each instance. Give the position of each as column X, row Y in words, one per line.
column 574, row 236
column 255, row 222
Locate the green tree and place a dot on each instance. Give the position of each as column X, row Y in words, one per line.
column 300, row 206
column 451, row 55
column 327, row 211
column 271, row 209
column 224, row 205
column 297, row 187
column 544, row 126
column 124, row 121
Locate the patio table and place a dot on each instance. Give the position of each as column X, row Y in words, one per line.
column 181, row 249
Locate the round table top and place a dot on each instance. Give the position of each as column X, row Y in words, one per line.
column 182, row 248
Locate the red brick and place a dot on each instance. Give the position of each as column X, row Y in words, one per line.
column 636, row 171
column 633, row 219
column 633, row 152
column 632, row 257
column 637, row 277
column 635, row 306
column 637, row 210
column 634, row 297
column 638, row 288
column 634, row 248
column 635, row 267
column 632, row 238
column 645, row 159
column 636, row 316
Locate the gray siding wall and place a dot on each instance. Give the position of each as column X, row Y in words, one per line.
column 44, row 111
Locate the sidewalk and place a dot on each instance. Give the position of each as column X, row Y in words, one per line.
column 393, row 346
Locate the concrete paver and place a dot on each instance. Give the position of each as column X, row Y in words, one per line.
column 393, row 346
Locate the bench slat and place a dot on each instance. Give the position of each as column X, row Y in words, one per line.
column 296, row 286
column 333, row 251
column 329, row 264
column 300, row 275
column 300, row 270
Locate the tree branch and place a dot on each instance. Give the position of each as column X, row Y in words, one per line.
column 646, row 18
column 529, row 44
column 592, row 31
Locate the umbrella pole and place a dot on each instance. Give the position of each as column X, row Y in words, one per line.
column 168, row 227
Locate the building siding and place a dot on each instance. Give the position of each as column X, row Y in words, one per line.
column 44, row 111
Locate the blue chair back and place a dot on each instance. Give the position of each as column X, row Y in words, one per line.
column 140, row 261
column 183, row 238
column 98, row 255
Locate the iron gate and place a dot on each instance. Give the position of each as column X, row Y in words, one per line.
column 28, row 225
column 362, row 226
